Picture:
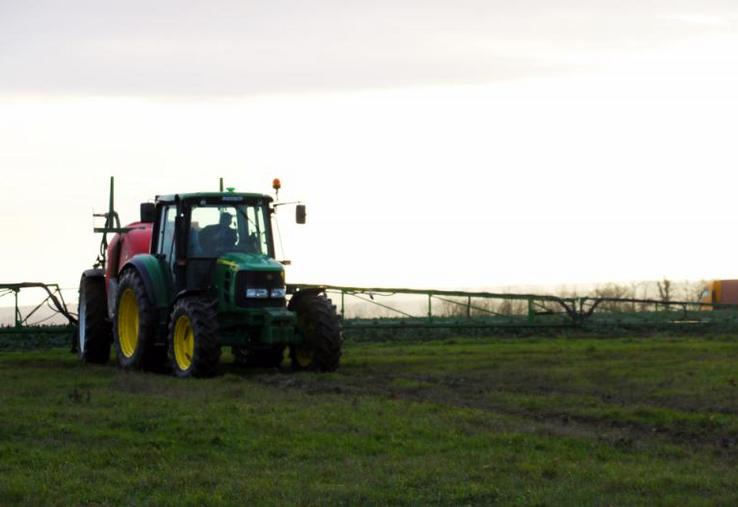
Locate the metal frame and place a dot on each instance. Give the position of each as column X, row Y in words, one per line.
column 535, row 311
column 540, row 311
column 112, row 225
column 54, row 300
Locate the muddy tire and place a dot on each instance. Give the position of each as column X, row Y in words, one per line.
column 94, row 333
column 266, row 358
column 194, row 350
column 320, row 326
column 134, row 324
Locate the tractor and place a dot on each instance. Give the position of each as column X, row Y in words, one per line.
column 196, row 273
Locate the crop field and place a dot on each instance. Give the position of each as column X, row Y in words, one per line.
column 533, row 421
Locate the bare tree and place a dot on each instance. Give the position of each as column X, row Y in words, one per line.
column 692, row 292
column 665, row 290
column 615, row 291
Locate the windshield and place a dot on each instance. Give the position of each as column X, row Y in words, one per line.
column 219, row 229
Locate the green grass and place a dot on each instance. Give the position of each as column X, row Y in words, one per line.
column 649, row 421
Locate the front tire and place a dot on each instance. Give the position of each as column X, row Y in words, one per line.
column 134, row 324
column 94, row 333
column 320, row 326
column 194, row 350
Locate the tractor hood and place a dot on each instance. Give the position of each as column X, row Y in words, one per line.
column 249, row 280
column 250, row 262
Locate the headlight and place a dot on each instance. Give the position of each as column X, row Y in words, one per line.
column 279, row 293
column 257, row 293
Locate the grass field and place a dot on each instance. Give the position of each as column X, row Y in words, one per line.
column 550, row 421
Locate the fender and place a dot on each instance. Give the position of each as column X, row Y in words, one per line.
column 155, row 277
column 298, row 294
column 93, row 273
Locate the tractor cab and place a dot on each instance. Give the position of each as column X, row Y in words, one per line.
column 194, row 233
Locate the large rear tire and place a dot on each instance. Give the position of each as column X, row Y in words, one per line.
column 134, row 324
column 320, row 326
column 94, row 335
column 194, row 350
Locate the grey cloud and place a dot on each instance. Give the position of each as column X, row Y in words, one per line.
column 209, row 48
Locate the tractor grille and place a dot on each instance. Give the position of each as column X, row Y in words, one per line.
column 259, row 280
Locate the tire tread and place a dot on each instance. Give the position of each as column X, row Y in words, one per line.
column 98, row 329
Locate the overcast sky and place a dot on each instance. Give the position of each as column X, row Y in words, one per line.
column 169, row 47
column 437, row 144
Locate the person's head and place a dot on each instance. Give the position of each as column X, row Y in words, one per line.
column 226, row 219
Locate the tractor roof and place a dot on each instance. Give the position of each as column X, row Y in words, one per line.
column 226, row 197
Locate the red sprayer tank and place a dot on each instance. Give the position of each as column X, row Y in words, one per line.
column 124, row 246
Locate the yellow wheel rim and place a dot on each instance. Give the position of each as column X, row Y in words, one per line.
column 128, row 323
column 184, row 342
column 304, row 357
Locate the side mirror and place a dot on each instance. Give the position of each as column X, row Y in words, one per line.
column 148, row 212
column 300, row 213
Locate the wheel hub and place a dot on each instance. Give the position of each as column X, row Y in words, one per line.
column 184, row 342
column 128, row 323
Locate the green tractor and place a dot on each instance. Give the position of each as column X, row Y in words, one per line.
column 195, row 274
